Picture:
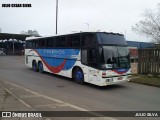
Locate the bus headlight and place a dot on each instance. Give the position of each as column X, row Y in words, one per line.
column 129, row 78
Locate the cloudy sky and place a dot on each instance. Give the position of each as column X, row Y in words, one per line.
column 74, row 15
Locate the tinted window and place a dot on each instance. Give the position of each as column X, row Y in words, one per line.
column 73, row 41
column 28, row 44
column 50, row 42
column 42, row 43
column 84, row 57
column 70, row 38
column 61, row 41
column 76, row 41
column 108, row 38
column 88, row 39
column 92, row 57
column 36, row 43
column 33, row 44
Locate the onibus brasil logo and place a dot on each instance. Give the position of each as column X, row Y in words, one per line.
column 21, row 114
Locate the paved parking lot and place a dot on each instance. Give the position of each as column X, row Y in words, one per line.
column 29, row 90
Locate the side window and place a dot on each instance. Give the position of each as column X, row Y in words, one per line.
column 36, row 44
column 29, row 44
column 76, row 41
column 84, row 57
column 47, row 42
column 92, row 57
column 73, row 41
column 42, row 43
column 88, row 39
column 61, row 41
column 50, row 42
column 33, row 44
column 26, row 45
column 69, row 40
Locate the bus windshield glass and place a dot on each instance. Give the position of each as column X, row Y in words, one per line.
column 111, row 39
column 114, row 57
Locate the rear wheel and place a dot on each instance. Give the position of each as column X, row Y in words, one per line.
column 34, row 65
column 40, row 67
column 78, row 75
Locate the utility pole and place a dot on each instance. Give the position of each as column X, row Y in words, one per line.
column 56, row 15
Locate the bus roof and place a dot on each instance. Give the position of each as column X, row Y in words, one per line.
column 33, row 37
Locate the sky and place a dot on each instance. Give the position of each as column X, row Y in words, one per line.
column 116, row 16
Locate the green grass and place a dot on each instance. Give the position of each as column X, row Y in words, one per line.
column 147, row 80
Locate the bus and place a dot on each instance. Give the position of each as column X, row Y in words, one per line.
column 99, row 58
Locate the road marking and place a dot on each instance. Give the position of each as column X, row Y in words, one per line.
column 16, row 97
column 55, row 100
column 49, row 105
column 28, row 96
column 52, row 105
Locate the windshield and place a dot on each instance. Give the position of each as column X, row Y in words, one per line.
column 110, row 38
column 114, row 57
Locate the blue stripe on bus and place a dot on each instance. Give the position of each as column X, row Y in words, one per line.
column 54, row 57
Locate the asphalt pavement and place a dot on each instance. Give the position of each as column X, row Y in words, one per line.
column 31, row 90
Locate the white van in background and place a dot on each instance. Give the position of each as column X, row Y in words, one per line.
column 2, row 51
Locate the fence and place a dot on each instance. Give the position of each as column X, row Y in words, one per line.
column 149, row 61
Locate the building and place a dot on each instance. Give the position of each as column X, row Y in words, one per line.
column 133, row 49
column 30, row 32
column 135, row 45
column 140, row 45
column 12, row 43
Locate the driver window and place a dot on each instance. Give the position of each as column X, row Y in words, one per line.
column 92, row 57
column 84, row 57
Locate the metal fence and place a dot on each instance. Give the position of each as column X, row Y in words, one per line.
column 149, row 61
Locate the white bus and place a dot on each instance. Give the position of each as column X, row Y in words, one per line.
column 98, row 58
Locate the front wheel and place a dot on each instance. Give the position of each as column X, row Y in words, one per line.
column 78, row 75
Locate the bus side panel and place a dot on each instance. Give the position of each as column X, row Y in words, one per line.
column 67, row 68
column 57, row 61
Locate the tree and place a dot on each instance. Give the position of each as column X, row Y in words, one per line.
column 149, row 26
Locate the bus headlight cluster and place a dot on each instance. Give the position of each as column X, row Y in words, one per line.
column 129, row 78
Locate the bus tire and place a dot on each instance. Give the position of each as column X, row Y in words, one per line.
column 34, row 65
column 78, row 75
column 40, row 67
